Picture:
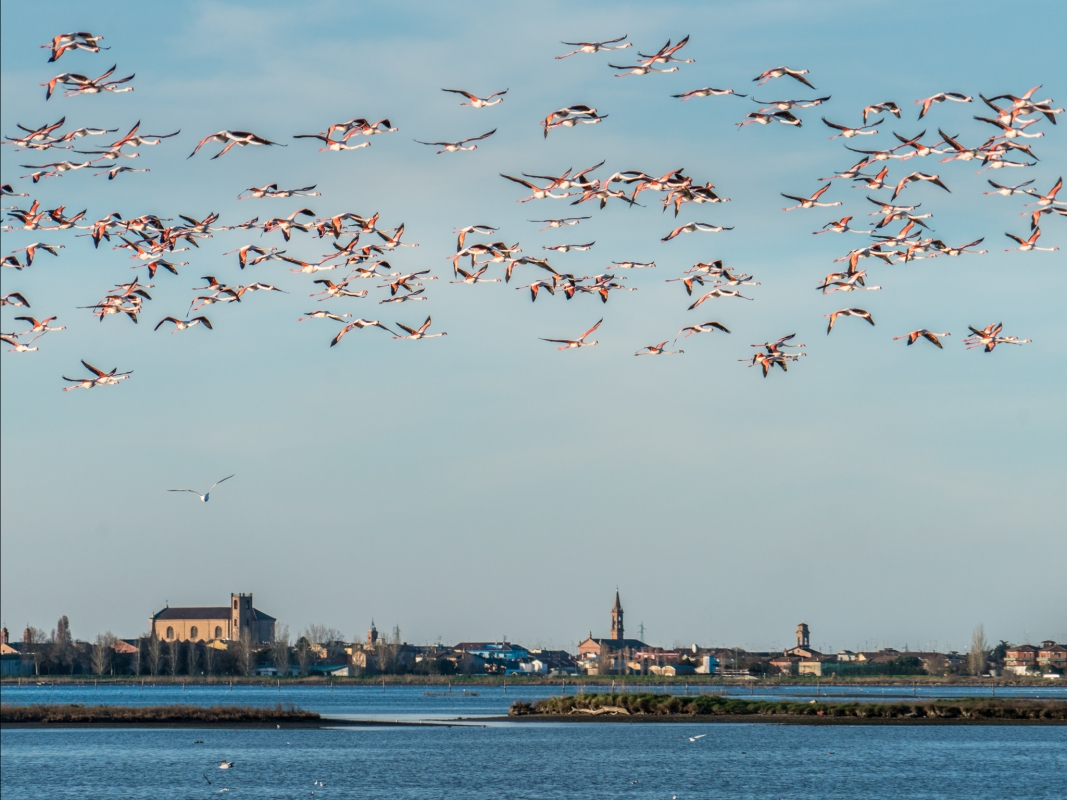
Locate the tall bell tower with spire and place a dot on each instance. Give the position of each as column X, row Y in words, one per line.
column 616, row 619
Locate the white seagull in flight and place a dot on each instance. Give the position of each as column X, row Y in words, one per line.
column 203, row 499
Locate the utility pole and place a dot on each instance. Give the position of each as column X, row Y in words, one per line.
column 641, row 629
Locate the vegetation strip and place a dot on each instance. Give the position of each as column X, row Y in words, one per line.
column 172, row 714
column 632, row 706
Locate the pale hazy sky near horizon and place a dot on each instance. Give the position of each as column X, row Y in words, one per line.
column 484, row 484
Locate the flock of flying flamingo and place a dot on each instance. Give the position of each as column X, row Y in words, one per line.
column 358, row 246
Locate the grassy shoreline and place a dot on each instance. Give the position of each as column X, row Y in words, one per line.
column 460, row 681
column 662, row 707
column 78, row 714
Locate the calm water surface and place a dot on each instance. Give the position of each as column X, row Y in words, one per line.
column 512, row 760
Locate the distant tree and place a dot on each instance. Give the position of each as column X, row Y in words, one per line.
column 64, row 655
column 999, row 653
column 155, row 654
column 102, row 654
column 33, row 644
column 280, row 649
column 303, row 655
column 978, row 657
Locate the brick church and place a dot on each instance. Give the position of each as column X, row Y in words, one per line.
column 614, row 653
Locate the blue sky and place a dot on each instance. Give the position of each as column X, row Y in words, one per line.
column 484, row 484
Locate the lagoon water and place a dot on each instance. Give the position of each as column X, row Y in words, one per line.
column 521, row 760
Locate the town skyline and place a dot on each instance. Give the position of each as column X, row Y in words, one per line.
column 777, row 641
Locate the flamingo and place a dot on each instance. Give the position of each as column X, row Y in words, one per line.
column 452, row 147
column 1007, row 191
column 231, row 138
column 778, row 72
column 918, row 176
column 20, row 347
column 913, row 337
column 182, row 324
column 658, row 350
column 558, row 223
column 764, row 118
column 840, row 226
column 100, row 378
column 474, row 277
column 706, row 92
column 323, row 314
column 566, row 248
column 716, row 293
column 536, row 286
column 331, row 144
column 810, row 202
column 39, row 326
column 639, row 69
column 420, row 333
column 704, row 327
column 848, row 133
column 595, row 47
column 847, row 312
column 940, row 98
column 878, row 108
column 569, row 344
column 538, row 194
column 692, row 227
column 113, row 172
column 359, row 324
column 1043, row 200
column 479, row 102
column 1026, row 245
column 14, row 299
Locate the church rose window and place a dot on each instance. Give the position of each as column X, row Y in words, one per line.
column 193, row 632
column 170, row 632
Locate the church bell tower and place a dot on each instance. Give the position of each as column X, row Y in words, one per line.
column 616, row 619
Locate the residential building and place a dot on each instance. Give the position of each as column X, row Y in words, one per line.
column 552, row 662
column 209, row 623
column 1052, row 656
column 1020, row 658
column 494, row 651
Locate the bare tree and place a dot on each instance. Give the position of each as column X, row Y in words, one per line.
column 32, row 642
column 192, row 658
column 280, row 649
column 102, row 652
column 323, row 634
column 138, row 656
column 978, row 657
column 155, row 654
column 244, row 653
column 209, row 659
column 173, row 656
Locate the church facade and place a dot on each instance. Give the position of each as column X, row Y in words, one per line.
column 213, row 623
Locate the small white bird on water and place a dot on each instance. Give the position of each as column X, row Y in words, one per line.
column 222, row 764
column 698, row 736
column 203, row 499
